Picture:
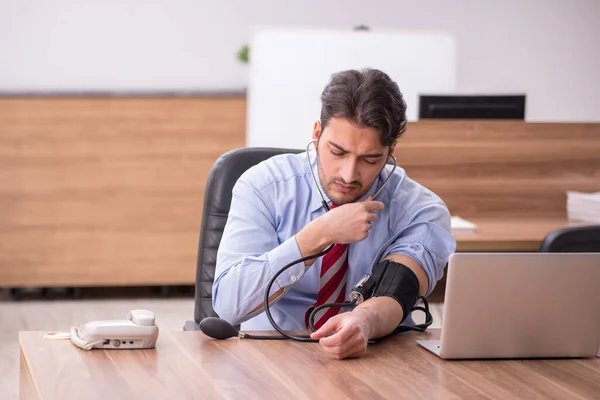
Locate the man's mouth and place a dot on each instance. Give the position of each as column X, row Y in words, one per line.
column 345, row 188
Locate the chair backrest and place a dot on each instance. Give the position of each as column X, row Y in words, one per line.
column 217, row 199
column 581, row 239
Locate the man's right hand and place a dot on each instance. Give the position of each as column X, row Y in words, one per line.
column 348, row 223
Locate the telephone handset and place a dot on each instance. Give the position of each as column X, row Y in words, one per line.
column 138, row 331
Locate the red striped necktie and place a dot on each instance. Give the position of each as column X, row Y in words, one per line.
column 332, row 288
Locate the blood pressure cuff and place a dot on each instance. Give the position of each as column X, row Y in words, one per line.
column 397, row 281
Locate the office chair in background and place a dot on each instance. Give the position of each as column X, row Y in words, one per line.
column 217, row 199
column 580, row 239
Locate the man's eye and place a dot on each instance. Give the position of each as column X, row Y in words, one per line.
column 336, row 154
column 370, row 162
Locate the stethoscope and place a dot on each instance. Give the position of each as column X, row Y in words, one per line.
column 319, row 189
column 221, row 329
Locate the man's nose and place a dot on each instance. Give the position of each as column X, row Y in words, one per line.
column 349, row 172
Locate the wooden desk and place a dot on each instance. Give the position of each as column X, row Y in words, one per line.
column 188, row 365
column 509, row 234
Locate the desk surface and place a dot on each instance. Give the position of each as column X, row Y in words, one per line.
column 189, row 365
column 509, row 234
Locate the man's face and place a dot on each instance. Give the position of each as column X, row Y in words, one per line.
column 349, row 159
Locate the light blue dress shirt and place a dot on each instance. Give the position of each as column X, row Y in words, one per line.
column 275, row 199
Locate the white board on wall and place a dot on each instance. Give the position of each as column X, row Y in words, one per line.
column 290, row 68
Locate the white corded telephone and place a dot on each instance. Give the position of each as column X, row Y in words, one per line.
column 138, row 331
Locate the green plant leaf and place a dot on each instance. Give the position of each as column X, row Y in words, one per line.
column 243, row 54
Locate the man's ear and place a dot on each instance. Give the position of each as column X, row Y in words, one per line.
column 316, row 130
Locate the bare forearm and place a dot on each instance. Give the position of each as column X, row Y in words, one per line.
column 380, row 314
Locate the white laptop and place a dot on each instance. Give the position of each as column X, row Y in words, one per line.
column 520, row 305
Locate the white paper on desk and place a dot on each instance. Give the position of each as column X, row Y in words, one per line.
column 459, row 224
column 583, row 206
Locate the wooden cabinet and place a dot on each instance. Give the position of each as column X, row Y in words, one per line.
column 109, row 190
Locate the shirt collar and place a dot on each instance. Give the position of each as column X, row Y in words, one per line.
column 316, row 202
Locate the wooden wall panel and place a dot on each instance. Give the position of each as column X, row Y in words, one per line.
column 107, row 191
column 503, row 169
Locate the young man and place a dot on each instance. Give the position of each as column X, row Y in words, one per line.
column 277, row 216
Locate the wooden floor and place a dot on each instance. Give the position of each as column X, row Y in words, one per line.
column 59, row 315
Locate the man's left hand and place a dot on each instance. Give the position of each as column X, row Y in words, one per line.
column 349, row 335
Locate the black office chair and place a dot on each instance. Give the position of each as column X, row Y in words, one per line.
column 580, row 239
column 217, row 199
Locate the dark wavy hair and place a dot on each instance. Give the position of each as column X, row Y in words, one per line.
column 367, row 98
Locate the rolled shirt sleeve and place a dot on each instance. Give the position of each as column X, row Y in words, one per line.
column 426, row 238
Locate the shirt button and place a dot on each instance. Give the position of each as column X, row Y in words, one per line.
column 293, row 278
